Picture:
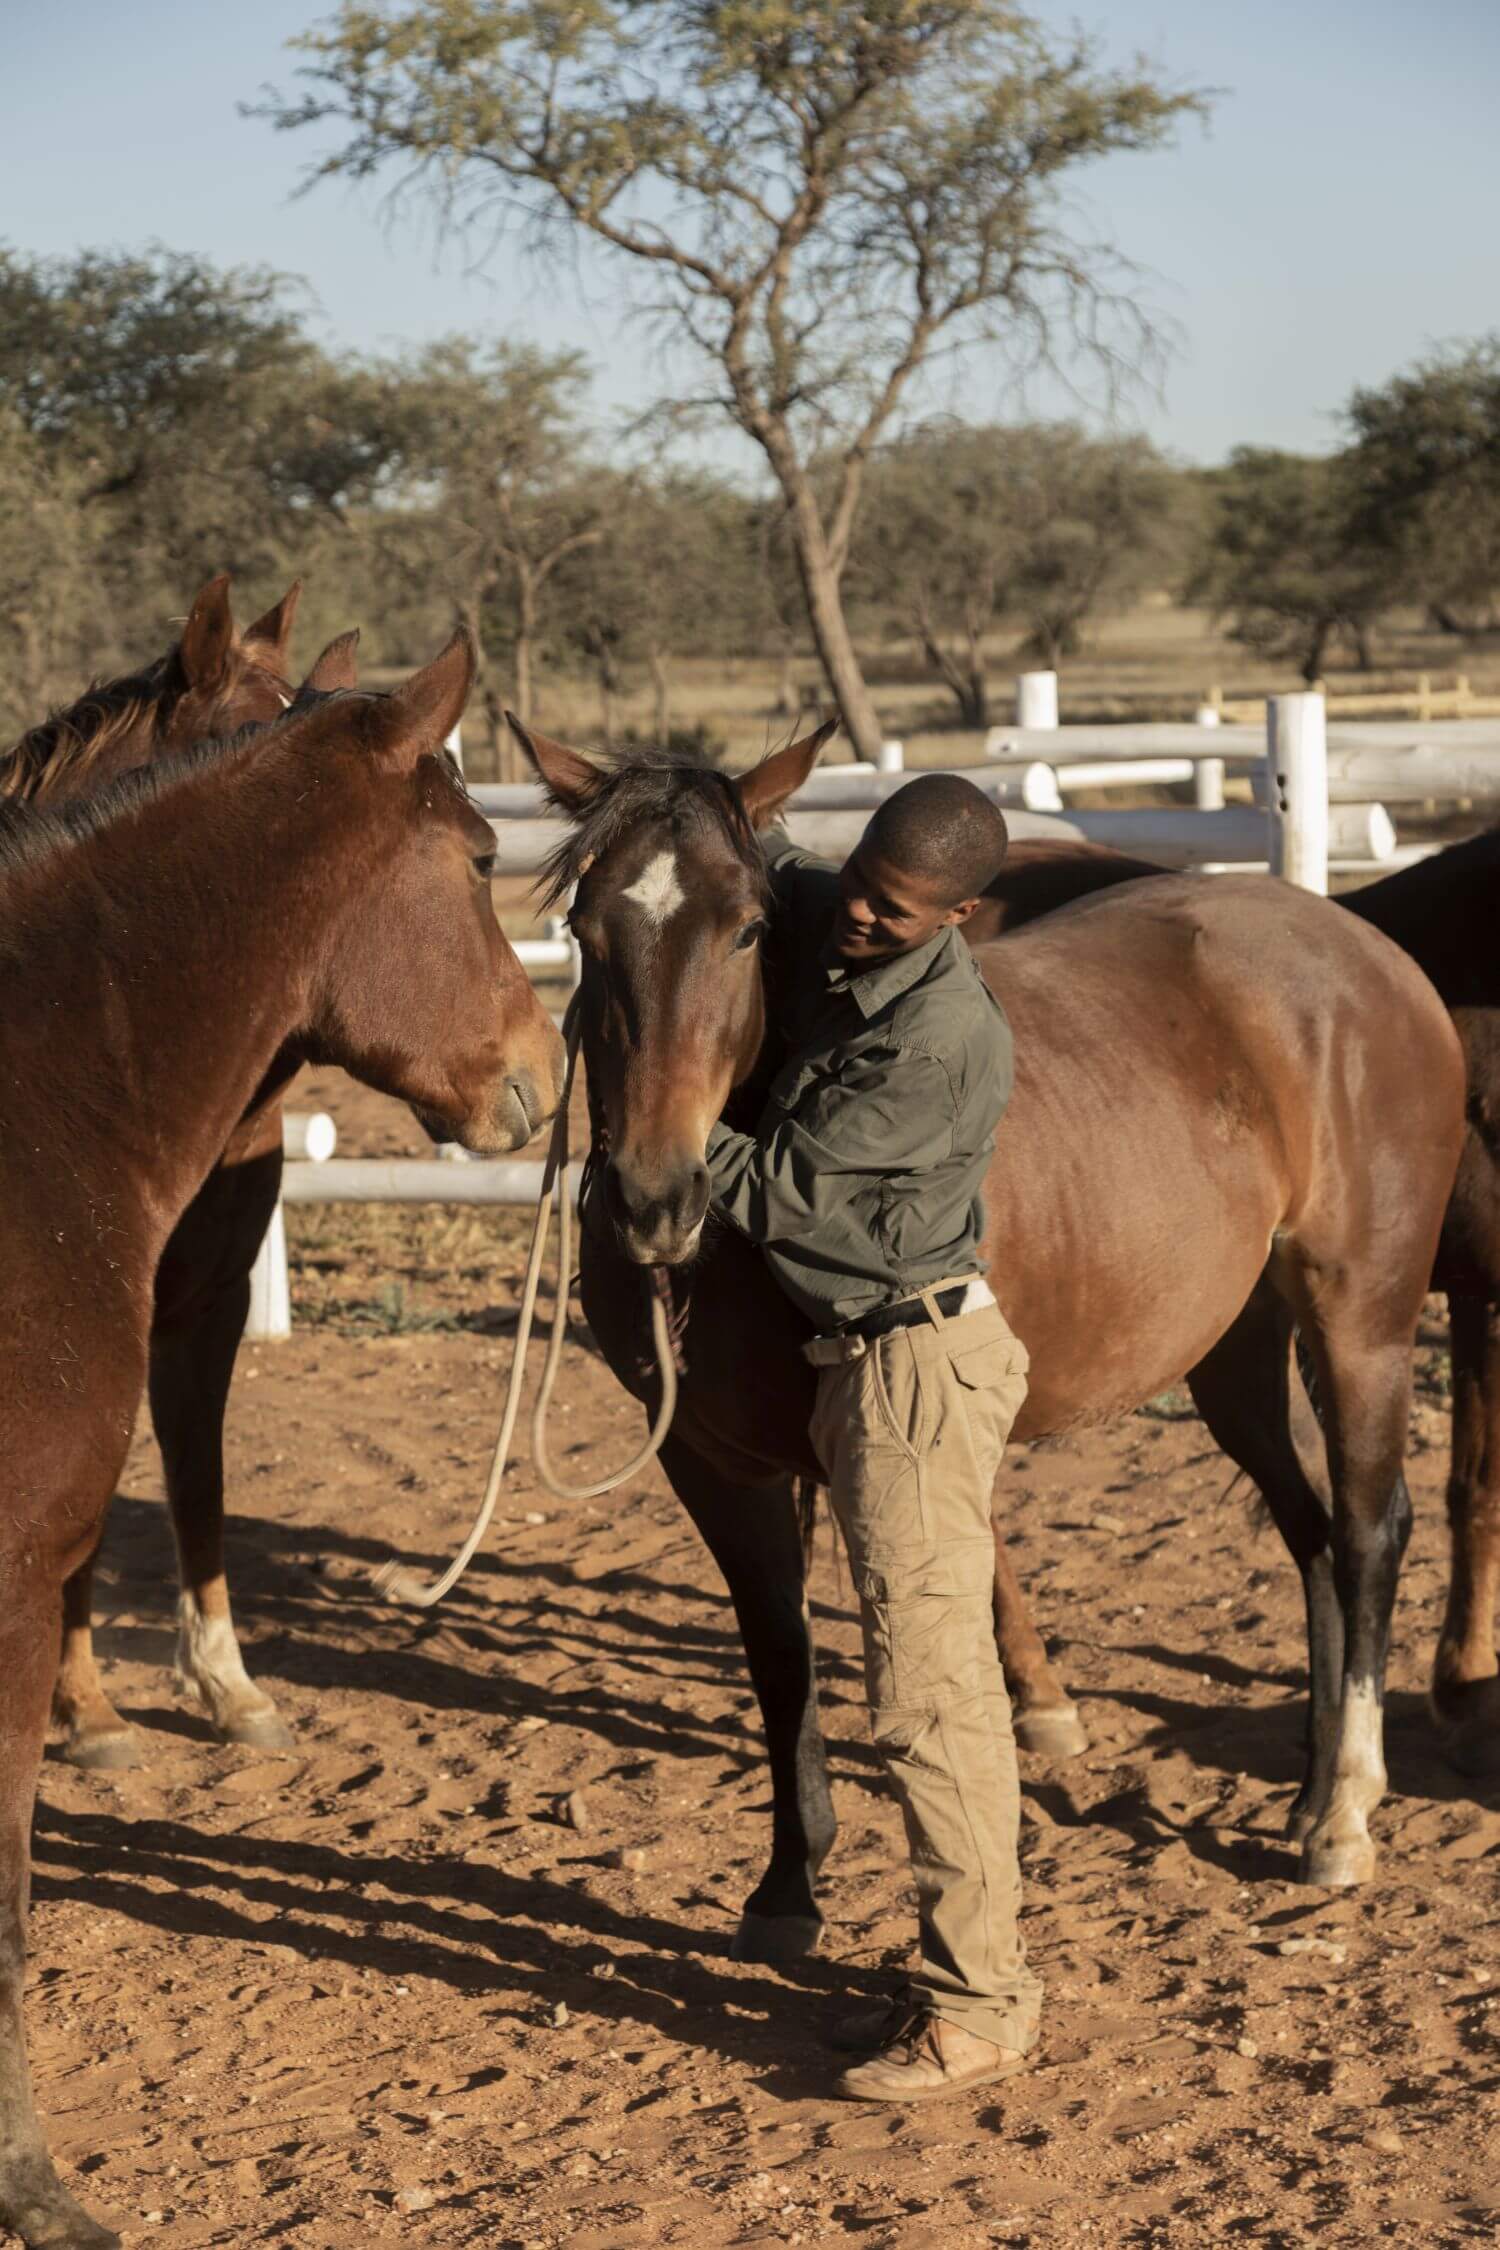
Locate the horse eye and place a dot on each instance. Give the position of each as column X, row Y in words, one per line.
column 750, row 935
column 484, row 865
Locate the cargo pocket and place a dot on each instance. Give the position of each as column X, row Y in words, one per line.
column 928, row 1627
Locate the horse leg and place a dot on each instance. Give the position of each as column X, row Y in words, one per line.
column 1251, row 1397
column 1043, row 1715
column 192, row 1360
column 1362, row 1352
column 33, row 2200
column 95, row 1734
column 753, row 1536
column 1465, row 1692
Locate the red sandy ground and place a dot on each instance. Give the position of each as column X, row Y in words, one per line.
column 380, row 1991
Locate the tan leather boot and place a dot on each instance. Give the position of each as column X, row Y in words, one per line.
column 925, row 2059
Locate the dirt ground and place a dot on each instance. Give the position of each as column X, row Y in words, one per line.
column 390, row 1989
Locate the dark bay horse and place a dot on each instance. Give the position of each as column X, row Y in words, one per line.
column 328, row 871
column 214, row 681
column 1236, row 1110
column 1442, row 912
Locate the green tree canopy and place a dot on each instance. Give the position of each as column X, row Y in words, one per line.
column 819, row 195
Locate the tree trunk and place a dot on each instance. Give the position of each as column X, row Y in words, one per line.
column 1312, row 662
column 830, row 629
column 525, row 638
column 1364, row 652
column 662, row 694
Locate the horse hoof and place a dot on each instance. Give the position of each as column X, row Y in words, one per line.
column 776, row 1937
column 258, row 1730
column 1338, row 1866
column 1056, row 1732
column 1300, row 1823
column 104, row 1753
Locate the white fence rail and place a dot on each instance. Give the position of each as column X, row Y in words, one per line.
column 1319, row 796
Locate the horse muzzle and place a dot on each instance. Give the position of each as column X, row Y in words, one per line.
column 659, row 1220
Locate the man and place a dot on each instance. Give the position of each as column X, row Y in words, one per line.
column 862, row 1184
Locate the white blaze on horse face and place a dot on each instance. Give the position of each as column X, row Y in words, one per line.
column 656, row 890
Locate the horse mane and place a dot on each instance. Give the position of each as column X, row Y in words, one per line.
column 31, row 838
column 653, row 784
column 75, row 741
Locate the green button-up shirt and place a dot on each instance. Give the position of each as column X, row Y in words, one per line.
column 863, row 1179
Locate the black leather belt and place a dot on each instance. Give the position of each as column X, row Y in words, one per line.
column 906, row 1314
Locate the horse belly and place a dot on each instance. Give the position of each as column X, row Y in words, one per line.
column 1121, row 1256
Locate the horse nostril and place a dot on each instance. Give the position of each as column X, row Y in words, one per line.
column 524, row 1088
column 695, row 1196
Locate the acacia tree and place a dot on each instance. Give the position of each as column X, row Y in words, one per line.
column 1283, row 557
column 824, row 194
column 1425, row 460
column 493, row 436
column 1041, row 523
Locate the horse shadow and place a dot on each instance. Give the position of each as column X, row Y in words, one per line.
column 470, row 1928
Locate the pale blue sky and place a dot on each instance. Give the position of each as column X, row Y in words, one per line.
column 1341, row 214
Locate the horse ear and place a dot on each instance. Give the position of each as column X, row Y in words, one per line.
column 334, row 669
column 417, row 718
column 208, row 636
column 275, row 628
column 568, row 778
column 766, row 788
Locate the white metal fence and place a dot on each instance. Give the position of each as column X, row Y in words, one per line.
column 1319, row 803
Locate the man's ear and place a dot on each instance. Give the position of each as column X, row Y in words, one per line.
column 960, row 913
column 335, row 668
column 208, row 636
column 766, row 788
column 569, row 779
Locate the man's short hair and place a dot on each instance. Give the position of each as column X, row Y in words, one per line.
column 943, row 830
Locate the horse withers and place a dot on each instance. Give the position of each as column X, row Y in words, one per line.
column 1236, row 1110
column 211, row 682
column 329, row 872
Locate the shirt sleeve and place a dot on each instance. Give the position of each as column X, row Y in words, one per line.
column 887, row 1110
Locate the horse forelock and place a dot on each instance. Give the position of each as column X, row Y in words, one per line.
column 642, row 787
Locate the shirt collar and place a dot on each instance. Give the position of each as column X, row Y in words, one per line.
column 884, row 981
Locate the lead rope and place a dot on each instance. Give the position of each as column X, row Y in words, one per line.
column 397, row 1580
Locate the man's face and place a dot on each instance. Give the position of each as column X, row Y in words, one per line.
column 883, row 911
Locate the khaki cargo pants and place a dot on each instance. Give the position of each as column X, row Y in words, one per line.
column 910, row 1428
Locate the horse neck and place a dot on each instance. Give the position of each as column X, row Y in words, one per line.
column 158, row 964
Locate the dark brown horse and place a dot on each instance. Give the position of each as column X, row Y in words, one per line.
column 1442, row 912
column 330, row 872
column 214, row 681
column 1236, row 1110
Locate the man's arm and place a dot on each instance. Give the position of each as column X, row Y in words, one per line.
column 890, row 1110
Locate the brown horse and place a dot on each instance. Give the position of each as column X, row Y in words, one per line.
column 331, row 873
column 1236, row 1111
column 1442, row 913
column 213, row 682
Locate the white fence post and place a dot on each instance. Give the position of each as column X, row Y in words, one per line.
column 1036, row 699
column 891, row 758
column 1297, row 789
column 270, row 1320
column 307, row 1136
column 1208, row 773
